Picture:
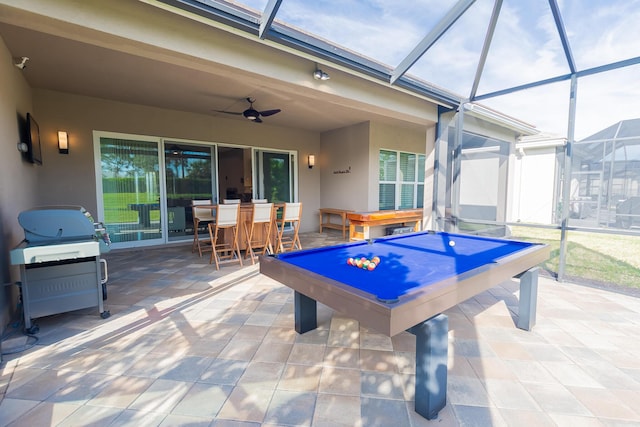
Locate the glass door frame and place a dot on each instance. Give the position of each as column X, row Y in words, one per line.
column 257, row 167
column 164, row 195
column 97, row 152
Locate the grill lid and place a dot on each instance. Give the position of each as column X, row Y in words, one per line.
column 49, row 224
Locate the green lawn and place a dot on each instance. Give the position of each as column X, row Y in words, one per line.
column 593, row 257
column 116, row 207
column 117, row 211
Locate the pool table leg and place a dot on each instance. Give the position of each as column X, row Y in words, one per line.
column 432, row 345
column 306, row 314
column 528, row 299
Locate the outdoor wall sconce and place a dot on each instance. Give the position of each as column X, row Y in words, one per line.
column 63, row 142
column 318, row 74
column 312, row 161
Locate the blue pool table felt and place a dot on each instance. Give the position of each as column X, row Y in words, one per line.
column 407, row 261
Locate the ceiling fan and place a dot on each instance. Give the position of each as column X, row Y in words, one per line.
column 251, row 113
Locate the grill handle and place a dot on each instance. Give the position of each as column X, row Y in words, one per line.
column 106, row 272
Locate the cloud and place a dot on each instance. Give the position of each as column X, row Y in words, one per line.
column 526, row 48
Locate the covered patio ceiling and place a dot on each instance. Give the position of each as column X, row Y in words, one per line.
column 80, row 67
column 445, row 51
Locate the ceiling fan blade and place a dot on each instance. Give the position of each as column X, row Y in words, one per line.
column 269, row 112
column 228, row 112
column 250, row 113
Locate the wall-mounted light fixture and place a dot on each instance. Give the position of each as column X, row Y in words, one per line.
column 318, row 74
column 63, row 142
column 311, row 160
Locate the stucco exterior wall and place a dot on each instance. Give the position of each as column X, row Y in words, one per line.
column 344, row 168
column 80, row 116
column 18, row 178
column 349, row 162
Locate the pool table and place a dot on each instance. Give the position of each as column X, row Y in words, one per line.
column 420, row 275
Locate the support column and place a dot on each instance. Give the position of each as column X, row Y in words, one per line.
column 432, row 345
column 306, row 314
column 528, row 299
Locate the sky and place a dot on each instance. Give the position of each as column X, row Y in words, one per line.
column 525, row 48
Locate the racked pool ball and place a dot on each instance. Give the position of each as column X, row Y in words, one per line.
column 371, row 266
column 375, row 260
column 350, row 261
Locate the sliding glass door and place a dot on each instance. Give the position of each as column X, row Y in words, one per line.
column 190, row 174
column 275, row 173
column 146, row 185
column 128, row 172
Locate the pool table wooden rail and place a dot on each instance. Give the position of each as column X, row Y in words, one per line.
column 412, row 308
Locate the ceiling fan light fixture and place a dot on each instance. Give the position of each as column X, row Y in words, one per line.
column 251, row 114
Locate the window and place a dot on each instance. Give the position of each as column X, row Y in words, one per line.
column 401, row 179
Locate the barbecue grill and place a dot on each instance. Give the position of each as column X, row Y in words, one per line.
column 60, row 264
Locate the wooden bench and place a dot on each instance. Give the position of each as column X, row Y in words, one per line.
column 325, row 219
column 360, row 222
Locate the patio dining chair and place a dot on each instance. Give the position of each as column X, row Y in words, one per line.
column 225, row 245
column 289, row 223
column 201, row 216
column 258, row 230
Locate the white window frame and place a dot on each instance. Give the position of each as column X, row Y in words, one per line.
column 398, row 182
